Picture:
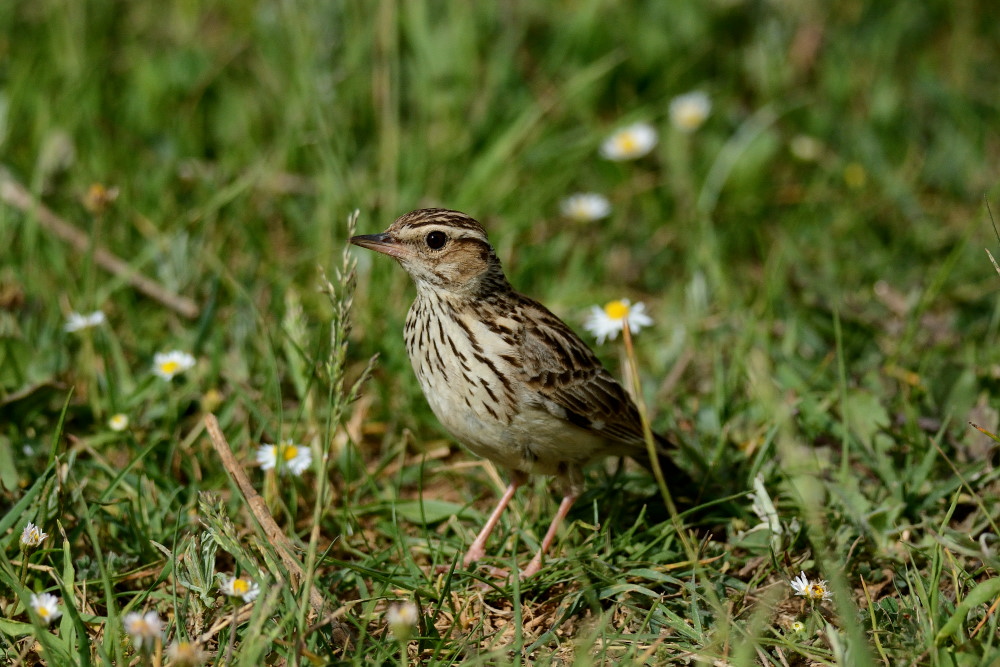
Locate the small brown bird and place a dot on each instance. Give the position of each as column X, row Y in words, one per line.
column 505, row 376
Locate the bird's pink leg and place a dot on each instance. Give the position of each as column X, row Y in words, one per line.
column 478, row 548
column 536, row 563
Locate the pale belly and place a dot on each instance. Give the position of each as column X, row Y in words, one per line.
column 529, row 439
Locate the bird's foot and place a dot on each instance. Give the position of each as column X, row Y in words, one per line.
column 533, row 567
column 498, row 572
column 475, row 553
column 503, row 573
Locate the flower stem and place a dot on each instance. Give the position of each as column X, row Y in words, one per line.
column 232, row 633
column 647, row 432
column 22, row 575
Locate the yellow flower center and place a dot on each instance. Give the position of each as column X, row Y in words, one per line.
column 817, row 591
column 627, row 143
column 240, row 587
column 690, row 117
column 289, row 452
column 44, row 611
column 855, row 175
column 211, row 400
column 171, row 367
column 616, row 310
column 186, row 653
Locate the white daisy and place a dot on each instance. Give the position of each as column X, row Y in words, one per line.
column 32, row 535
column 79, row 322
column 99, row 197
column 240, row 587
column 402, row 619
column 143, row 628
column 295, row 459
column 606, row 322
column 585, row 207
column 118, row 422
column 169, row 364
column 629, row 143
column 690, row 110
column 46, row 606
column 806, row 148
column 814, row 590
column 186, row 653
column 800, row 584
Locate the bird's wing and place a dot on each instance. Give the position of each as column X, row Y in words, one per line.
column 569, row 382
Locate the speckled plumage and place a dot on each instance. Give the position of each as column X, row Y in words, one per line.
column 505, row 376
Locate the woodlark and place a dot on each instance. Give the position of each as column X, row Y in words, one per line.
column 505, row 376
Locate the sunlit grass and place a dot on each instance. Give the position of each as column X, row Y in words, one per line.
column 810, row 253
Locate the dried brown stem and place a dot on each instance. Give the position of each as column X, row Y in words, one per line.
column 16, row 195
column 283, row 546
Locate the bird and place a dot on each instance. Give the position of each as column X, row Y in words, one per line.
column 505, row 376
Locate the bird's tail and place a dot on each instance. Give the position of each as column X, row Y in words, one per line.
column 683, row 489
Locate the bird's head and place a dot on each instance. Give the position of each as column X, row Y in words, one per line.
column 441, row 250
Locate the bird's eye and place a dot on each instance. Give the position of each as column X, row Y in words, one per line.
column 436, row 240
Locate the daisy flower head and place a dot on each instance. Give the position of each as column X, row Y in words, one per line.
column 798, row 627
column 629, row 143
column 118, row 422
column 186, row 654
column 402, row 619
column 78, row 322
column 46, row 606
column 806, row 148
column 585, row 207
column 167, row 365
column 240, row 587
column 32, row 536
column 143, row 628
column 813, row 590
column 855, row 175
column 800, row 584
column 211, row 400
column 689, row 111
column 293, row 458
column 606, row 322
column 99, row 197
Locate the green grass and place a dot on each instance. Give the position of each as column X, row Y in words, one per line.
column 827, row 326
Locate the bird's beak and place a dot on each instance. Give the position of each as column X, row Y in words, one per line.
column 383, row 243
